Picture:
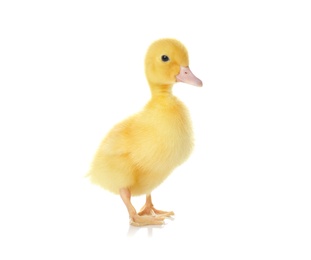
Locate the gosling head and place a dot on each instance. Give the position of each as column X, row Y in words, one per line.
column 167, row 62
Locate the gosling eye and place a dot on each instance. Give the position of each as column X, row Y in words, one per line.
column 165, row 58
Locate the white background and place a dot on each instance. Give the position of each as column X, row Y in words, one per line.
column 71, row 69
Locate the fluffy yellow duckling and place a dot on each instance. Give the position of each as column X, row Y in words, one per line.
column 141, row 151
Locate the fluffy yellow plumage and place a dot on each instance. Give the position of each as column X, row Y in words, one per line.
column 141, row 151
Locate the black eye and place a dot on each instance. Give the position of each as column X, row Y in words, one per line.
column 165, row 58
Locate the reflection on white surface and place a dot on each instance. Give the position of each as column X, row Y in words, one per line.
column 146, row 230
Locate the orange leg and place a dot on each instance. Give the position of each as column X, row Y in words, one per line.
column 136, row 219
column 149, row 210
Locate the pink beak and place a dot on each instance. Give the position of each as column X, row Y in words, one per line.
column 185, row 75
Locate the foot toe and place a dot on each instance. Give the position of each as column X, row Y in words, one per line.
column 138, row 220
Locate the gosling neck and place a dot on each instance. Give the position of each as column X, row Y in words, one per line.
column 162, row 90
